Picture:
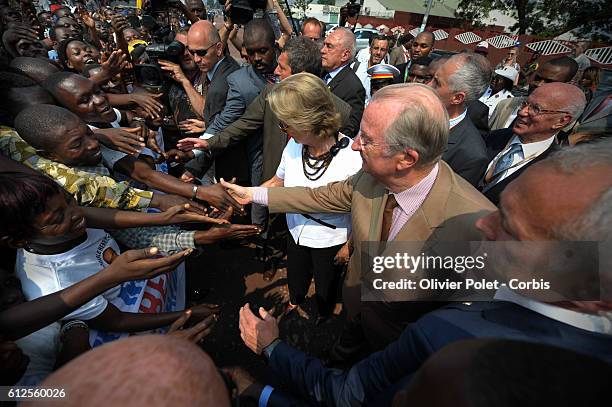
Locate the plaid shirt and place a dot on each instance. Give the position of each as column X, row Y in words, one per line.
column 88, row 189
column 168, row 239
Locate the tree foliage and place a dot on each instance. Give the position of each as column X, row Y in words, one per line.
column 548, row 18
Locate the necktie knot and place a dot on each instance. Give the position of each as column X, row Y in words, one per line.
column 327, row 79
column 507, row 159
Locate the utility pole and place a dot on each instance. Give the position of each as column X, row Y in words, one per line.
column 426, row 16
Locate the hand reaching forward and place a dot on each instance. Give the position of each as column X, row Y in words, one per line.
column 190, row 143
column 140, row 264
column 197, row 332
column 183, row 214
column 244, row 195
column 257, row 333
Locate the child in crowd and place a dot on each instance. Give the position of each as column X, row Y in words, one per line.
column 56, row 250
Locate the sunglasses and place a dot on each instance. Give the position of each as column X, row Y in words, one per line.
column 201, row 52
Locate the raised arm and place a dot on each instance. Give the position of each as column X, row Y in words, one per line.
column 18, row 321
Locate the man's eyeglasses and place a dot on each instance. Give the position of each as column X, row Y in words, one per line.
column 535, row 110
column 201, row 52
column 363, row 143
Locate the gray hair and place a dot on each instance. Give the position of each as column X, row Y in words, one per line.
column 348, row 40
column 304, row 55
column 472, row 77
column 422, row 125
column 595, row 224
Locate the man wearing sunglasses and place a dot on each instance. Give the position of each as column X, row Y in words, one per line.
column 561, row 69
column 208, row 52
column 546, row 111
column 244, row 86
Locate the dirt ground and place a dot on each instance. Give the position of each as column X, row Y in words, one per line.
column 235, row 277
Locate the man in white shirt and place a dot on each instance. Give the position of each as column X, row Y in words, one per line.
column 546, row 111
column 377, row 53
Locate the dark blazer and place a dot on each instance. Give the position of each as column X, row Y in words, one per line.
column 309, row 379
column 217, row 90
column 233, row 162
column 244, row 85
column 602, row 119
column 497, row 142
column 347, row 86
column 260, row 119
column 466, row 152
column 478, row 113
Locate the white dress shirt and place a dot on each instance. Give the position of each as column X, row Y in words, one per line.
column 530, row 151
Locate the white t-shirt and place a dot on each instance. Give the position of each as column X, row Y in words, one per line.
column 307, row 232
column 46, row 274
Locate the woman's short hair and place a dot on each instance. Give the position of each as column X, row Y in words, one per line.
column 303, row 102
column 62, row 52
column 22, row 198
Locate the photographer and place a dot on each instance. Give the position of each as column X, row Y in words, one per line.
column 185, row 95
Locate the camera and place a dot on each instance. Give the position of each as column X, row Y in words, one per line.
column 169, row 52
column 242, row 10
column 150, row 74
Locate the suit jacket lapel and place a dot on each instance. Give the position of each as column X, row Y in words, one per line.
column 338, row 78
column 377, row 210
column 432, row 212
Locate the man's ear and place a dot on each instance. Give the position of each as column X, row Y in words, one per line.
column 458, row 98
column 561, row 123
column 408, row 159
column 12, row 242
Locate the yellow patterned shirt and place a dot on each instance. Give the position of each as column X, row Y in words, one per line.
column 88, row 189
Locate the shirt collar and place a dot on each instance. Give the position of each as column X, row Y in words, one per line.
column 453, row 122
column 588, row 322
column 210, row 74
column 417, row 193
column 336, row 71
column 533, row 149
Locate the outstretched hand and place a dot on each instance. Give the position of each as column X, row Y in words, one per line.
column 140, row 264
column 243, row 195
column 197, row 332
column 183, row 214
column 257, row 332
column 191, row 143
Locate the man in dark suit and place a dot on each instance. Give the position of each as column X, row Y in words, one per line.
column 458, row 81
column 421, row 47
column 548, row 109
column 299, row 55
column 561, row 69
column 336, row 56
column 579, row 191
column 209, row 54
column 478, row 113
column 243, row 87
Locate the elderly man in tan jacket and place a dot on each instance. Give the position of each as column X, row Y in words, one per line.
column 404, row 192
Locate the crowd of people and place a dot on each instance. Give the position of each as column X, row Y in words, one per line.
column 131, row 138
